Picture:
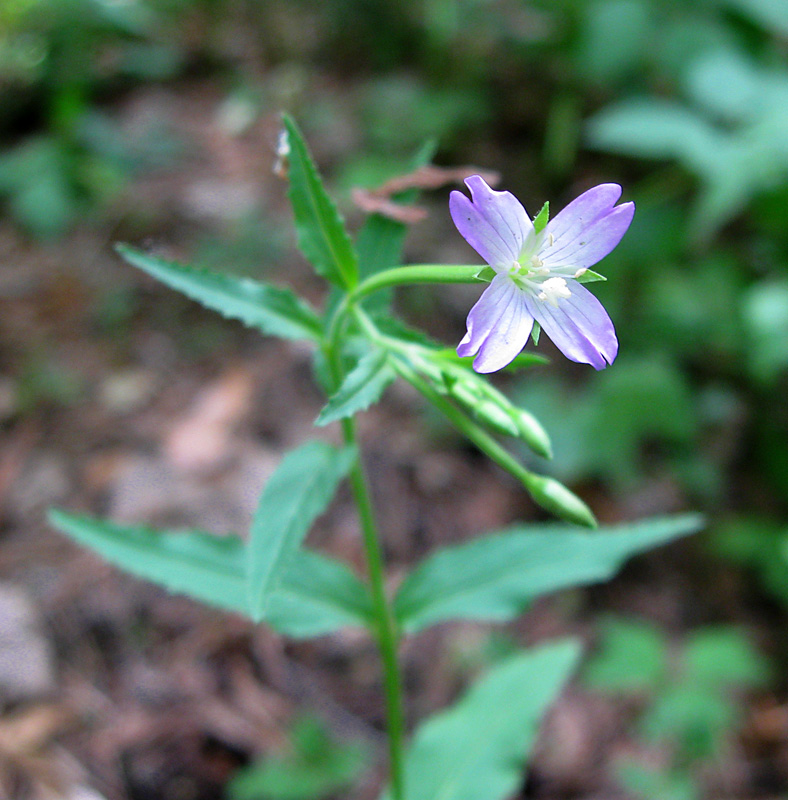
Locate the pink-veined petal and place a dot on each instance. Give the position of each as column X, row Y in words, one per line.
column 593, row 243
column 579, row 327
column 498, row 326
column 493, row 223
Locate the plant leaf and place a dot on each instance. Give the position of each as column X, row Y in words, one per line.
column 321, row 231
column 317, row 595
column 495, row 577
column 476, row 750
column 362, row 387
column 271, row 309
column 295, row 495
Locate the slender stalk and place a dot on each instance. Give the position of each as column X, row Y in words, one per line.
column 387, row 634
column 547, row 492
column 386, row 631
column 418, row 273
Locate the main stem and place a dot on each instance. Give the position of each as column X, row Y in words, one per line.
column 386, row 629
column 387, row 635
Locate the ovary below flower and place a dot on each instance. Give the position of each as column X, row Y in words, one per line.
column 536, row 274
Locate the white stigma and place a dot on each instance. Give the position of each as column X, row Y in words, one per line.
column 553, row 290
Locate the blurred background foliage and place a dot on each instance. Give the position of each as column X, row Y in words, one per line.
column 685, row 104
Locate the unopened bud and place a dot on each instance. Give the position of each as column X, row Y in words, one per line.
column 532, row 433
column 491, row 414
column 556, row 498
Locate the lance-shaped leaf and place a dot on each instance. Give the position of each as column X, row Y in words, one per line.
column 494, row 577
column 317, row 595
column 271, row 309
column 320, row 229
column 295, row 495
column 362, row 387
column 477, row 750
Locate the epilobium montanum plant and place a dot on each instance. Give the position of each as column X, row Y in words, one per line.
column 477, row 749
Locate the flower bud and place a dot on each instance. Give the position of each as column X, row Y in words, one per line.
column 532, row 433
column 485, row 409
column 556, row 498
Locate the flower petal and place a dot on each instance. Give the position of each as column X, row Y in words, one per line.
column 593, row 243
column 498, row 326
column 579, row 327
column 583, row 211
column 493, row 223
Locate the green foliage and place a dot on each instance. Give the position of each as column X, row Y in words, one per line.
column 602, row 430
column 610, row 47
column 294, row 496
column 476, row 749
column 495, row 577
column 401, row 112
column 771, row 14
column 321, row 231
column 656, row 784
column 35, row 178
column 362, row 387
column 53, row 62
column 316, row 595
column 691, row 708
column 694, row 719
column 760, row 545
column 720, row 657
column 313, row 766
column 738, row 118
column 273, row 310
column 632, row 656
column 764, row 309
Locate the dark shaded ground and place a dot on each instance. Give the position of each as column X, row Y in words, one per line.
column 122, row 399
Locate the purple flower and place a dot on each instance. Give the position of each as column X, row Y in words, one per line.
column 537, row 274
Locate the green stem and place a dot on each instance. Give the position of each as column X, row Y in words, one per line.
column 418, row 273
column 386, row 631
column 387, row 634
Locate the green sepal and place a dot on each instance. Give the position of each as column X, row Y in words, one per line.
column 541, row 219
column 273, row 310
column 535, row 331
column 320, row 229
column 589, row 276
column 486, row 274
column 362, row 387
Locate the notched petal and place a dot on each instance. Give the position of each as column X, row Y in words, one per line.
column 493, row 223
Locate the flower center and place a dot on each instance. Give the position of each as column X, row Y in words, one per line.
column 531, row 275
column 553, row 290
